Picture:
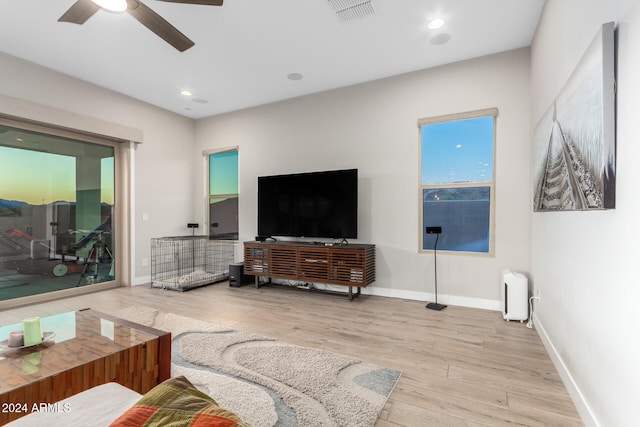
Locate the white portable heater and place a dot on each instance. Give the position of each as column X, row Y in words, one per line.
column 514, row 292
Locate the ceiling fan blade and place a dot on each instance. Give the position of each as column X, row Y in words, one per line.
column 204, row 2
column 158, row 25
column 79, row 12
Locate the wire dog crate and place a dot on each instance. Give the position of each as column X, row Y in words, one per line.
column 185, row 262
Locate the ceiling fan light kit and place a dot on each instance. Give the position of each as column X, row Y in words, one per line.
column 82, row 10
column 112, row 5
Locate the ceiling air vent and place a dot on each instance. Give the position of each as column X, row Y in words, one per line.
column 348, row 10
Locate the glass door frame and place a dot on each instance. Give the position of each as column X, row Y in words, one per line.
column 122, row 206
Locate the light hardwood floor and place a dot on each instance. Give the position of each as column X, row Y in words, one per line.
column 460, row 366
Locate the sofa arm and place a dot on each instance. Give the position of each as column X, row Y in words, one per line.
column 98, row 406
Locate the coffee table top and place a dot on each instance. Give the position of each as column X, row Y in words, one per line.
column 79, row 337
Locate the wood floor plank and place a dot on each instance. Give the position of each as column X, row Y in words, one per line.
column 460, row 367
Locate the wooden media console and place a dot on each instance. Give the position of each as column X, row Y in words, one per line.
column 351, row 265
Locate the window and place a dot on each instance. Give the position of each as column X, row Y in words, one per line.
column 457, row 181
column 57, row 212
column 223, row 195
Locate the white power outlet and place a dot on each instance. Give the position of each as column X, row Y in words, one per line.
column 538, row 295
column 145, row 262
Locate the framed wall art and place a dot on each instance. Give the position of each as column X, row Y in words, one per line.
column 574, row 142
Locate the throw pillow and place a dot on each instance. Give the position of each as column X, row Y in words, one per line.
column 177, row 402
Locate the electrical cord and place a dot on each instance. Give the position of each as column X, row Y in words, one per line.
column 530, row 322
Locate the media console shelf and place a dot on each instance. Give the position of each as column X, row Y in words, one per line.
column 351, row 265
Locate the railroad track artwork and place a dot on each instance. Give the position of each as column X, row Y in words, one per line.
column 566, row 183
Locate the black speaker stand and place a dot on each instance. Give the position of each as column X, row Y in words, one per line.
column 435, row 305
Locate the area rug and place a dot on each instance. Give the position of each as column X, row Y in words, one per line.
column 270, row 383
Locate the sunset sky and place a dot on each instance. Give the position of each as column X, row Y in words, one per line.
column 39, row 178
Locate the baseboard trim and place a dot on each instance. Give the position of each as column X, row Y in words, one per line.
column 143, row 280
column 426, row 296
column 484, row 304
column 583, row 408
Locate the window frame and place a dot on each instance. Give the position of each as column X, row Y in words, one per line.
column 206, row 155
column 487, row 112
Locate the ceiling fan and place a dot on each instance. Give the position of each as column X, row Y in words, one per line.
column 82, row 10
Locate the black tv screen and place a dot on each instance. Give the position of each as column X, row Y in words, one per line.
column 315, row 204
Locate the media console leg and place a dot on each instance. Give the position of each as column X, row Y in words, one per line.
column 268, row 282
column 352, row 295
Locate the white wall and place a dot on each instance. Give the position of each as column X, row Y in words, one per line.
column 373, row 127
column 162, row 166
column 584, row 263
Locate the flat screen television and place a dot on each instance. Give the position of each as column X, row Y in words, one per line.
column 315, row 204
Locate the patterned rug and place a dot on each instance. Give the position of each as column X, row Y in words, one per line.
column 269, row 383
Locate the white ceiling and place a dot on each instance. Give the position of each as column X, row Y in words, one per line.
column 245, row 49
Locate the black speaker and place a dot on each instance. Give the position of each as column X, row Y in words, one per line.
column 237, row 277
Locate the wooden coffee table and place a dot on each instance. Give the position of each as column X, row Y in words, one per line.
column 89, row 348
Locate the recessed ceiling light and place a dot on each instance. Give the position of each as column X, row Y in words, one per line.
column 186, row 93
column 295, row 76
column 112, row 5
column 435, row 24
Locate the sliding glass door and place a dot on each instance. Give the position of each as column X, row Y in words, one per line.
column 57, row 213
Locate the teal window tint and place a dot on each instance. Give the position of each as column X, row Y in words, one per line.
column 223, row 173
column 457, row 172
column 223, row 195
